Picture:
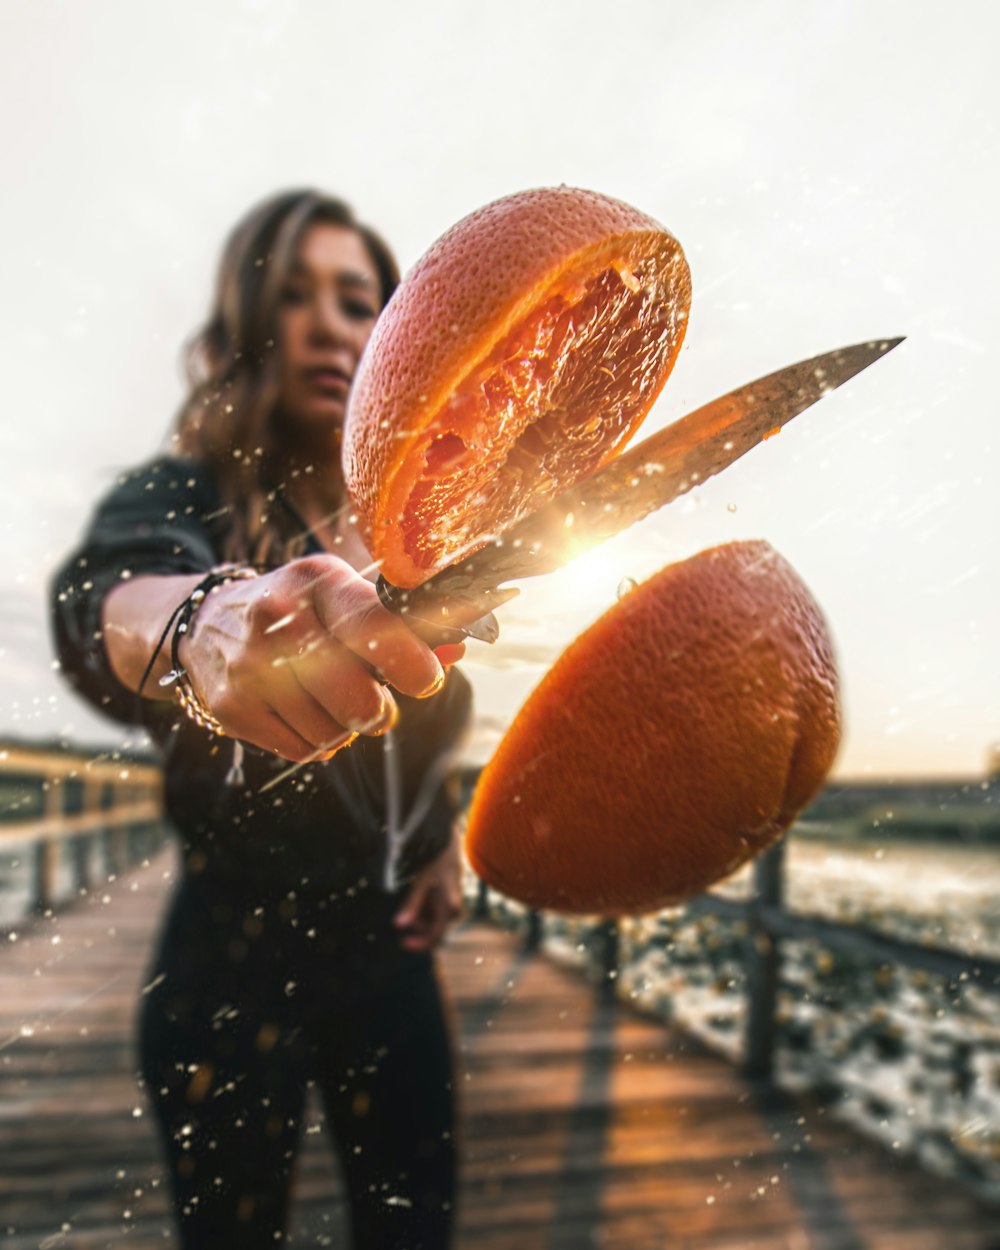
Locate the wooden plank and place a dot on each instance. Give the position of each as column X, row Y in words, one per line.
column 585, row 1124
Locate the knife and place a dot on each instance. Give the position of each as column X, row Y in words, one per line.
column 458, row 601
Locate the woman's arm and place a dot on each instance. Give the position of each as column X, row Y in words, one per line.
column 134, row 615
column 284, row 661
column 156, row 525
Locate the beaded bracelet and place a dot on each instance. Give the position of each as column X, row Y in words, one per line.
column 180, row 622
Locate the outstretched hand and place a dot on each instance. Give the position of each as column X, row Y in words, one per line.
column 434, row 900
column 286, row 661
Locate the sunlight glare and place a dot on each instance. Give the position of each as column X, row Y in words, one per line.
column 589, row 581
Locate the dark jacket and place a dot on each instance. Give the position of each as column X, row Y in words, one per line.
column 323, row 828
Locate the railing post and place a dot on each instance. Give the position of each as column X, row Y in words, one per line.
column 46, row 872
column 608, row 943
column 115, row 851
column 533, row 931
column 135, row 840
column 763, row 965
column 81, row 862
column 83, row 843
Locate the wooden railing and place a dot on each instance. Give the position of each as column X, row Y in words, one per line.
column 76, row 806
column 83, row 804
column 768, row 923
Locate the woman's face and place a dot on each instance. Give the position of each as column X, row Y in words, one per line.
column 327, row 311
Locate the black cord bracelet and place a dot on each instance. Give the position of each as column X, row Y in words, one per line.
column 179, row 622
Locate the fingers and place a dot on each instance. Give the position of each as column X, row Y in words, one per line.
column 340, row 688
column 309, row 719
column 285, row 661
column 283, row 740
column 291, row 723
column 450, row 653
column 425, row 916
column 349, row 610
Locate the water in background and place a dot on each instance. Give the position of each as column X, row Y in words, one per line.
column 943, row 895
column 902, row 1054
column 17, row 871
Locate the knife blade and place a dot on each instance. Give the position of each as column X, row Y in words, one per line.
column 458, row 601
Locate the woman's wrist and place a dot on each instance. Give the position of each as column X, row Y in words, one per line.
column 178, row 628
column 133, row 617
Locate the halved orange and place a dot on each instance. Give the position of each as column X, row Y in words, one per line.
column 517, row 356
column 671, row 742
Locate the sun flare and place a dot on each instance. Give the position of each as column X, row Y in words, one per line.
column 591, row 579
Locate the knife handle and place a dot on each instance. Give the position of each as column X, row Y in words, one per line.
column 433, row 633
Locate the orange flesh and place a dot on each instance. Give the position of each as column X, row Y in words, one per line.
column 546, row 407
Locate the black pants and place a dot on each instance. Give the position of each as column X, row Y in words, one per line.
column 250, row 1001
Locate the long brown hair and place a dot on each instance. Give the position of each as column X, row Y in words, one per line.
column 231, row 363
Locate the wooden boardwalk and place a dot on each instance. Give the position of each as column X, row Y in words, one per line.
column 585, row 1125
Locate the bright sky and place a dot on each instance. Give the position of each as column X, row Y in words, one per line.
column 831, row 171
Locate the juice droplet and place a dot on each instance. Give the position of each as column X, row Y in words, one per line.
column 625, row 586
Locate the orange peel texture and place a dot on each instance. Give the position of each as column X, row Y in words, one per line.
column 671, row 742
column 518, row 355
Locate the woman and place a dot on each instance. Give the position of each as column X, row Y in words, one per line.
column 286, row 959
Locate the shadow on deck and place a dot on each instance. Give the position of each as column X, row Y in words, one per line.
column 585, row 1125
